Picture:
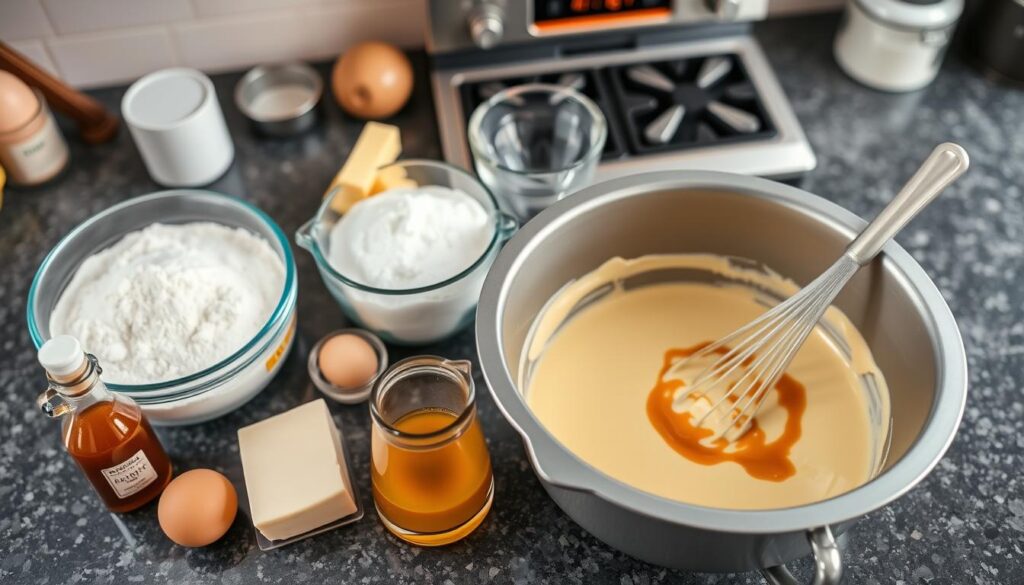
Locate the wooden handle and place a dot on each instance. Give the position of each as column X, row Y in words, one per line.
column 95, row 123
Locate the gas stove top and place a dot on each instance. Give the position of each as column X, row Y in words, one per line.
column 711, row 104
column 659, row 107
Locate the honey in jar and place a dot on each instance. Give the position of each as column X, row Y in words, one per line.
column 105, row 433
column 432, row 481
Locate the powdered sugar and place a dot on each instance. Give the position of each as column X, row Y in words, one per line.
column 170, row 300
column 407, row 238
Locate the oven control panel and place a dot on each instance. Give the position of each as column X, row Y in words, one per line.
column 460, row 25
column 555, row 15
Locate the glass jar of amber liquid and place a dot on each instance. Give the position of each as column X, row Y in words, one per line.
column 105, row 433
column 432, row 481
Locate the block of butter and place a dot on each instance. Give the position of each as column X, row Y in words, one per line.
column 391, row 177
column 377, row 145
column 295, row 471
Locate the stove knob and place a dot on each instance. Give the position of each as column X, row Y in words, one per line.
column 724, row 9
column 486, row 25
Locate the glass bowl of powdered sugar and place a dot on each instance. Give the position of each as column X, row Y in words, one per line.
column 408, row 263
column 186, row 297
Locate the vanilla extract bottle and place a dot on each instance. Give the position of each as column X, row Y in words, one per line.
column 105, row 433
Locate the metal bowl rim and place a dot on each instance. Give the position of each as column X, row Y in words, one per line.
column 573, row 473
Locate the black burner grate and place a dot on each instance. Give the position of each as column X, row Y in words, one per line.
column 662, row 106
column 689, row 103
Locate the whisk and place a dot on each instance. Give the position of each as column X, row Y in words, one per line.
column 726, row 395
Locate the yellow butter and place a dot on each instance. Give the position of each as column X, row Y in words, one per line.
column 391, row 177
column 378, row 145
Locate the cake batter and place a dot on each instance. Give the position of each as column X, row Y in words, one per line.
column 595, row 377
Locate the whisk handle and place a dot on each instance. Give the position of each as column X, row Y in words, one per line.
column 943, row 166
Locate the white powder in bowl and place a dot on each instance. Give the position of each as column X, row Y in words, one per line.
column 408, row 238
column 168, row 301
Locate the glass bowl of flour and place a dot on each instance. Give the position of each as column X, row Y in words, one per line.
column 409, row 263
column 186, row 297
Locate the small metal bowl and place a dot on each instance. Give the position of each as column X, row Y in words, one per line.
column 280, row 100
column 337, row 393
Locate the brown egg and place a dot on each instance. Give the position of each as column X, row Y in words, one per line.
column 347, row 361
column 372, row 80
column 17, row 103
column 197, row 507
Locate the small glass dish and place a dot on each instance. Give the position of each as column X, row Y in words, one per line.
column 420, row 315
column 534, row 144
column 337, row 393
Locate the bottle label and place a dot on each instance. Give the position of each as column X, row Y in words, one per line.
column 130, row 476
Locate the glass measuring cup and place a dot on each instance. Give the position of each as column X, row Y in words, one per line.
column 412, row 316
column 431, row 472
column 534, row 144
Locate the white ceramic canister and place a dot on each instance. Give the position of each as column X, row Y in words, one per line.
column 895, row 45
column 178, row 127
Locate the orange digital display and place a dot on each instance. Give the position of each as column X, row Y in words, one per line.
column 549, row 14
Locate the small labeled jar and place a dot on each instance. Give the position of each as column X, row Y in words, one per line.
column 431, row 472
column 32, row 149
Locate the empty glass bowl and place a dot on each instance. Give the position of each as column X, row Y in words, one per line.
column 534, row 144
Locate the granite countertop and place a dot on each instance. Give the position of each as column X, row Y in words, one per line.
column 963, row 524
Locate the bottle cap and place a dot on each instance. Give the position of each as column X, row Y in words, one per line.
column 61, row 356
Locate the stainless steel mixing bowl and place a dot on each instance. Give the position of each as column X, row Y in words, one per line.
column 895, row 305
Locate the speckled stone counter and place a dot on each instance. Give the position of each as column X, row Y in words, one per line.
column 963, row 524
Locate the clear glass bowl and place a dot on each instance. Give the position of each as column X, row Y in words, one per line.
column 534, row 144
column 221, row 387
column 419, row 315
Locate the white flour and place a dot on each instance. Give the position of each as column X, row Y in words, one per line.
column 170, row 300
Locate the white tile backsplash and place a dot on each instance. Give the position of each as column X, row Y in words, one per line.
column 317, row 33
column 92, row 43
column 36, row 51
column 225, row 44
column 112, row 57
column 77, row 16
column 222, row 7
column 402, row 22
column 22, row 19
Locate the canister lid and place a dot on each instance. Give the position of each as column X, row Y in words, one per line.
column 914, row 14
column 61, row 356
column 165, row 98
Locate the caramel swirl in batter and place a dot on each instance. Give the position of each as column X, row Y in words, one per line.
column 594, row 373
column 758, row 457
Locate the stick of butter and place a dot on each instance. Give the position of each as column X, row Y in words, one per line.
column 392, row 177
column 295, row 471
column 377, row 145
